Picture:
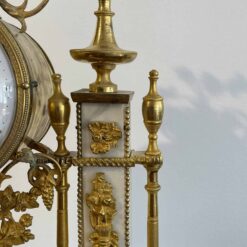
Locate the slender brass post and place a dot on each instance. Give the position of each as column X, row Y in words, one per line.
column 59, row 112
column 152, row 110
column 152, row 188
column 62, row 209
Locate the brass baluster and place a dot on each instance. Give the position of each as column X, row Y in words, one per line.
column 152, row 110
column 59, row 111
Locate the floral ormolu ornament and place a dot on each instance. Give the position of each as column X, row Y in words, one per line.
column 15, row 232
column 43, row 180
column 105, row 136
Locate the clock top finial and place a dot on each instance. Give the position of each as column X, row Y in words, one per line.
column 103, row 53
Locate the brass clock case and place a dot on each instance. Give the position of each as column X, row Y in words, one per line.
column 34, row 86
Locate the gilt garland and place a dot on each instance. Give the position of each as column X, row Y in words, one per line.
column 105, row 136
column 43, row 180
column 14, row 232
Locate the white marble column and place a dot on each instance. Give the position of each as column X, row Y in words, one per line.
column 117, row 177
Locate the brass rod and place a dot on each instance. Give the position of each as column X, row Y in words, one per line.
column 62, row 210
column 152, row 188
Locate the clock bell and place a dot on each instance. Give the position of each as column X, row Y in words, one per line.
column 104, row 157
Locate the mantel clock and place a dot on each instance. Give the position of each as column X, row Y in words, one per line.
column 25, row 86
column 31, row 99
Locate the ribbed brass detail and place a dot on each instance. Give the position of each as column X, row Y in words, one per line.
column 104, row 162
column 80, row 208
column 104, row 52
column 79, row 130
column 127, row 131
column 80, row 194
column 127, row 153
column 127, row 206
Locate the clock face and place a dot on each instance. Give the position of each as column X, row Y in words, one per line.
column 7, row 95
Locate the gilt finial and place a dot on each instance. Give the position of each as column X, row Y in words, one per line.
column 103, row 53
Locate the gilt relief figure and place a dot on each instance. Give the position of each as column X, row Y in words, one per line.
column 102, row 208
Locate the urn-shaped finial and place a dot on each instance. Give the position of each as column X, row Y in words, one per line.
column 59, row 112
column 104, row 53
column 152, row 111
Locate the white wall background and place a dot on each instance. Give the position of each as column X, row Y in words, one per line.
column 199, row 47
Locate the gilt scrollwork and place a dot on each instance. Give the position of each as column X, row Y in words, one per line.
column 102, row 206
column 20, row 13
column 43, row 179
column 105, row 136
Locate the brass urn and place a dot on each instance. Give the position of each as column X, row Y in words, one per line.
column 59, row 111
column 152, row 111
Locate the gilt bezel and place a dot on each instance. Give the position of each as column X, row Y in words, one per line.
column 23, row 95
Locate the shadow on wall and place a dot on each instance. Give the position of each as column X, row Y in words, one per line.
column 205, row 92
column 203, row 197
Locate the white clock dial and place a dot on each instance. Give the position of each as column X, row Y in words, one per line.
column 7, row 95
